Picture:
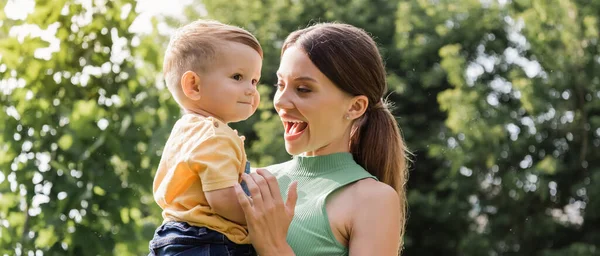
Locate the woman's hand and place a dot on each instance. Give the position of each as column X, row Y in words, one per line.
column 268, row 217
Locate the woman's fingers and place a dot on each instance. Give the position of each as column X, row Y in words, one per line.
column 267, row 198
column 292, row 198
column 255, row 193
column 243, row 199
column 273, row 185
column 268, row 220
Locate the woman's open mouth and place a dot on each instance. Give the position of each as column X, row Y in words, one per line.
column 293, row 129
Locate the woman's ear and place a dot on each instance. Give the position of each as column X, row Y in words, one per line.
column 190, row 85
column 358, row 106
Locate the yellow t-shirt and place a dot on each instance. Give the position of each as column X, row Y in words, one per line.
column 201, row 154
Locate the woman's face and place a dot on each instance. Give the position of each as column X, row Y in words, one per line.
column 312, row 109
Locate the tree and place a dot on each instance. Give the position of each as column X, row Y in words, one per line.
column 520, row 122
column 549, row 85
column 82, row 129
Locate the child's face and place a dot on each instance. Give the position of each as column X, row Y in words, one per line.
column 228, row 88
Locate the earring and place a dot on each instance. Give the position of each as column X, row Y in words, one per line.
column 347, row 117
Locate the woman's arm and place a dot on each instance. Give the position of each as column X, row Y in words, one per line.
column 376, row 220
column 268, row 217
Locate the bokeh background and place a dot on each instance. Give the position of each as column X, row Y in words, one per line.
column 498, row 99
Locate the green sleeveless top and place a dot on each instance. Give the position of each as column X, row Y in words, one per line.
column 310, row 233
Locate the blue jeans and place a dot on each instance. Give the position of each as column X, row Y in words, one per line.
column 182, row 239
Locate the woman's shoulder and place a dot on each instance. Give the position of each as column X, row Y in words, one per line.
column 365, row 190
column 366, row 206
column 367, row 194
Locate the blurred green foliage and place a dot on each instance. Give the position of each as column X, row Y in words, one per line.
column 499, row 101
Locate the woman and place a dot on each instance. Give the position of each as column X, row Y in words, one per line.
column 349, row 167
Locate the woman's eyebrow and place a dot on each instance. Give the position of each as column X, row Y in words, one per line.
column 305, row 78
column 299, row 78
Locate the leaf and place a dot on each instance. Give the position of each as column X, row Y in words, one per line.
column 125, row 215
column 549, row 165
column 65, row 142
column 99, row 191
column 46, row 237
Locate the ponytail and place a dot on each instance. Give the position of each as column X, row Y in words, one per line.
column 377, row 145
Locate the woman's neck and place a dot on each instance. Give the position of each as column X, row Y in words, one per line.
column 318, row 165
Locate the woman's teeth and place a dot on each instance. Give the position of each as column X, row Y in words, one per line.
column 294, row 127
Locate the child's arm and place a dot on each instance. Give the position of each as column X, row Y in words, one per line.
column 217, row 160
column 224, row 202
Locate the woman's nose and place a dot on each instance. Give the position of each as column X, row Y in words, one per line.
column 282, row 100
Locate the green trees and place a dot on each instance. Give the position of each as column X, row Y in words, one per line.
column 81, row 129
column 499, row 101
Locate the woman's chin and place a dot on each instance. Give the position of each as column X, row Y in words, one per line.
column 292, row 150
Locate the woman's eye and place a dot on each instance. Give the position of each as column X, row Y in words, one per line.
column 303, row 90
column 237, row 77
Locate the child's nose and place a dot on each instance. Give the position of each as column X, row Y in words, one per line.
column 250, row 91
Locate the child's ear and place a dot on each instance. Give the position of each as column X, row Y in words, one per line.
column 190, row 84
column 358, row 107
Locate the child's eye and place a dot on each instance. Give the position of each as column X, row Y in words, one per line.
column 237, row 77
column 254, row 82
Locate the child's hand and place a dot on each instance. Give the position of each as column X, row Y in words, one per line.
column 268, row 217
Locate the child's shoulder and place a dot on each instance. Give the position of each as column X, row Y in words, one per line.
column 207, row 126
column 189, row 123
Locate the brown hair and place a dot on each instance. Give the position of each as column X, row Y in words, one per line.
column 194, row 46
column 349, row 57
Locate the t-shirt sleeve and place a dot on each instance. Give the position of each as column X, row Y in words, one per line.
column 218, row 161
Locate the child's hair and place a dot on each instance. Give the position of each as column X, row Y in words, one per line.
column 349, row 57
column 194, row 46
